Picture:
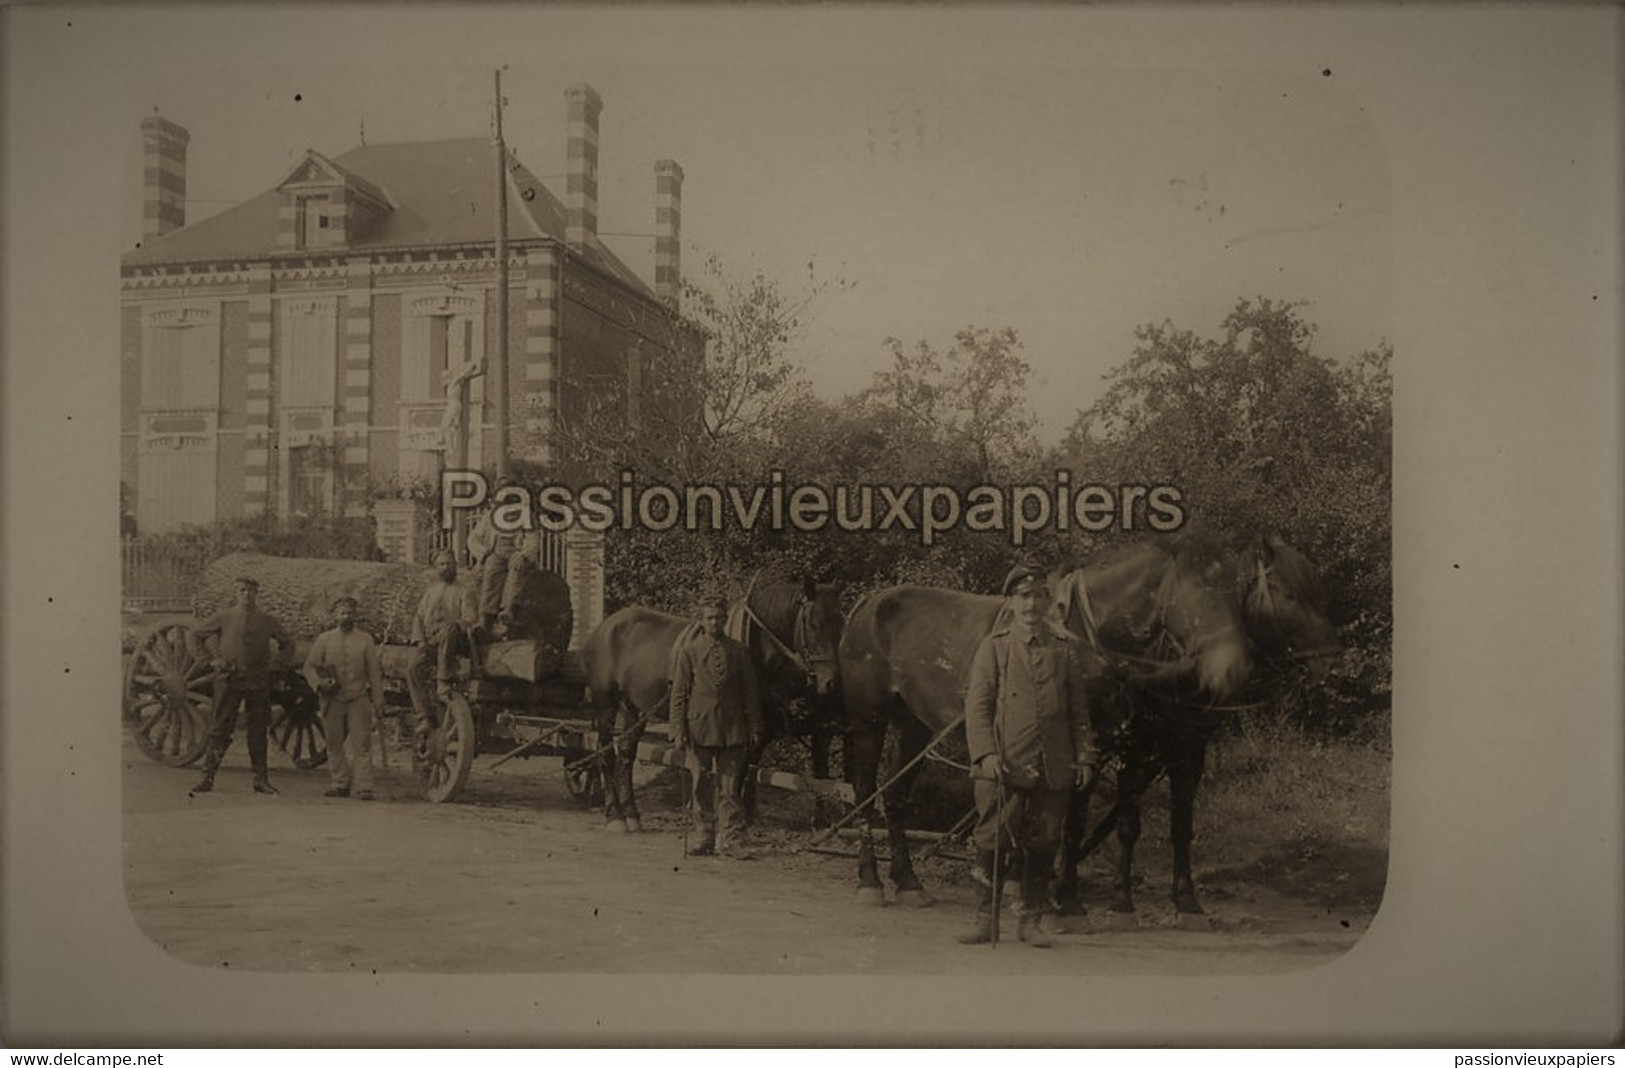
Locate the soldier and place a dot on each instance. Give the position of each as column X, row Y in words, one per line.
column 1027, row 725
column 716, row 712
column 443, row 611
column 503, row 557
column 245, row 673
column 344, row 670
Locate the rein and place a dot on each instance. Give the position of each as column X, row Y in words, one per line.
column 1076, row 589
column 802, row 662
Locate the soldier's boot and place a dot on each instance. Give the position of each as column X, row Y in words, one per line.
column 980, row 931
column 1030, row 928
column 211, row 764
column 262, row 771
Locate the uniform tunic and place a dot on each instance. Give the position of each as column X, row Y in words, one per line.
column 1025, row 701
column 352, row 660
column 245, row 644
column 503, row 557
column 1025, row 705
column 714, row 699
column 715, row 708
column 442, row 605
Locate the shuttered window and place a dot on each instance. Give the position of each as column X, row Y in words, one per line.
column 307, row 341
column 180, row 398
column 180, row 358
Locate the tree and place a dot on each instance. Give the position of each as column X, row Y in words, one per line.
column 720, row 420
column 710, row 407
column 1261, row 434
column 971, row 400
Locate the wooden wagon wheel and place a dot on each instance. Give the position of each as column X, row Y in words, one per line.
column 296, row 721
column 444, row 757
column 169, row 696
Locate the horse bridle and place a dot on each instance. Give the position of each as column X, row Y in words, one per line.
column 1266, row 596
column 1073, row 587
column 804, row 660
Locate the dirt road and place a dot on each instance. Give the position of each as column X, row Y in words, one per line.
column 519, row 878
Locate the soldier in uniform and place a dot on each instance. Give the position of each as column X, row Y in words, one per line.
column 443, row 611
column 344, row 670
column 716, row 712
column 503, row 558
column 1027, row 725
column 246, row 635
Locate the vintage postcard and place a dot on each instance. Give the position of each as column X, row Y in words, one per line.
column 813, row 525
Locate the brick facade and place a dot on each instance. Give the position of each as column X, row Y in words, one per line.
column 389, row 318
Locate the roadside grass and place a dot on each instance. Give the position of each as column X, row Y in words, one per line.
column 1304, row 815
column 1278, row 808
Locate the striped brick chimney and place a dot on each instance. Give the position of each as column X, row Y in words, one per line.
column 164, row 148
column 668, row 231
column 581, row 184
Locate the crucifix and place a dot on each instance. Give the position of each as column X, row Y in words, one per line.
column 454, row 431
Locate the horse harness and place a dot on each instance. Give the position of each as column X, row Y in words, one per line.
column 804, row 660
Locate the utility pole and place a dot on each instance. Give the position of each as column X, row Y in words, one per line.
column 499, row 379
column 459, row 461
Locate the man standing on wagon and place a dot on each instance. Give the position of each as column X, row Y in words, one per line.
column 1027, row 725
column 246, row 635
column 716, row 712
column 344, row 670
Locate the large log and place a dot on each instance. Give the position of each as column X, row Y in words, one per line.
column 300, row 592
column 509, row 662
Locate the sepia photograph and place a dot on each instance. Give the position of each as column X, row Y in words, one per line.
column 814, row 525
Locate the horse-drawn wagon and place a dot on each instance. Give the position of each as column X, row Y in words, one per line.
column 523, row 691
column 525, row 695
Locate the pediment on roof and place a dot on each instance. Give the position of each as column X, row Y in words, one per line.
column 314, row 169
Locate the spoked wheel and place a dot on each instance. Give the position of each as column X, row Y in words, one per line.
column 169, row 696
column 444, row 757
column 296, row 722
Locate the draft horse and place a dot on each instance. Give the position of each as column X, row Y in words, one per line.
column 906, row 651
column 792, row 633
column 791, row 630
column 1160, row 701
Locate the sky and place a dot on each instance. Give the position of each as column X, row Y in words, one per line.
column 1070, row 173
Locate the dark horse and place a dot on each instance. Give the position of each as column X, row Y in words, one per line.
column 906, row 650
column 1157, row 707
column 791, row 629
column 792, row 633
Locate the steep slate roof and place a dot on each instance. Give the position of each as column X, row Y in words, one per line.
column 442, row 192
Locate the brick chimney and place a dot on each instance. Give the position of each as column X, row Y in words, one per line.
column 581, row 185
column 164, row 150
column 668, row 231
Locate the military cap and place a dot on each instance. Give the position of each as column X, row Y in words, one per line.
column 712, row 600
column 346, row 599
column 248, row 580
column 1021, row 576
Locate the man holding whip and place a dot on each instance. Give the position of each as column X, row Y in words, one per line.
column 1027, row 725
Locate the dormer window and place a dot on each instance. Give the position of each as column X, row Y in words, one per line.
column 326, row 206
column 313, row 226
